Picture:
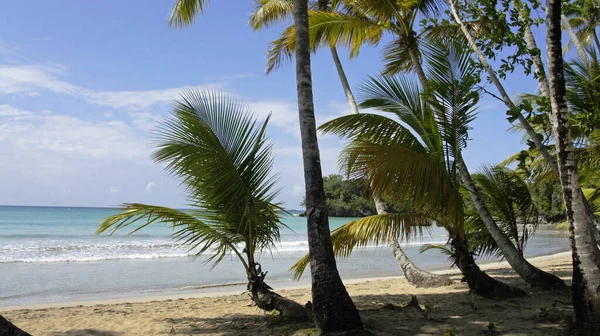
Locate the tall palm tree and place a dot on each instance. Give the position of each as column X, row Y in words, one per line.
column 333, row 309
column 417, row 152
column 584, row 247
column 221, row 154
column 354, row 23
column 270, row 11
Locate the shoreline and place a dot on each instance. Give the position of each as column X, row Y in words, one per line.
column 237, row 289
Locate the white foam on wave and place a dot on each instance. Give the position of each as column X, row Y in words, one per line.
column 90, row 250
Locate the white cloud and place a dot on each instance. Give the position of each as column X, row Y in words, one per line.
column 150, row 187
column 283, row 114
column 28, row 79
column 11, row 111
column 144, row 120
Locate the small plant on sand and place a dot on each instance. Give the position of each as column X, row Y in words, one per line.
column 221, row 154
column 492, row 329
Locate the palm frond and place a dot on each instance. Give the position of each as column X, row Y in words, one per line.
column 268, row 12
column 184, row 12
column 221, row 154
column 371, row 230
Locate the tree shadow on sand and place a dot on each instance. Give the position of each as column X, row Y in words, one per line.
column 88, row 332
column 235, row 324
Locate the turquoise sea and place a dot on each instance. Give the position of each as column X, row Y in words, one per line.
column 52, row 255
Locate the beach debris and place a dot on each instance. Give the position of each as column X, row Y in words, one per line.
column 172, row 332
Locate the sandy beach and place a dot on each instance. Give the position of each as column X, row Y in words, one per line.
column 380, row 301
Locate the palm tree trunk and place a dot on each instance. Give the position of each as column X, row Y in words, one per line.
column 505, row 97
column 418, row 67
column 344, row 80
column 584, row 247
column 478, row 281
column 333, row 309
column 267, row 300
column 415, row 276
column 9, row 329
column 574, row 39
column 538, row 66
column 531, row 274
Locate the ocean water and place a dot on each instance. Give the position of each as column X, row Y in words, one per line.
column 52, row 255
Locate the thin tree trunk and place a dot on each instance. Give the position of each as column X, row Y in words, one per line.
column 344, row 80
column 478, row 281
column 505, row 97
column 333, row 309
column 574, row 39
column 584, row 247
column 9, row 329
column 415, row 276
column 418, row 67
column 531, row 274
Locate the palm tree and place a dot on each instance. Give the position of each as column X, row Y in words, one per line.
column 585, row 252
column 222, row 156
column 354, row 23
column 415, row 152
column 270, row 11
column 333, row 309
column 584, row 15
column 509, row 200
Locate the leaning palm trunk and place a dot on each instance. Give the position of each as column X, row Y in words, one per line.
column 574, row 38
column 267, row 300
column 417, row 66
column 9, row 329
column 531, row 274
column 584, row 247
column 415, row 276
column 478, row 281
column 505, row 97
column 333, row 309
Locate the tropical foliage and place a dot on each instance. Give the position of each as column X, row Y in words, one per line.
column 221, row 154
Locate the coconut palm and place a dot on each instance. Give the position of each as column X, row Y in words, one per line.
column 222, row 156
column 584, row 16
column 585, row 252
column 354, row 23
column 269, row 11
column 333, row 309
column 509, row 200
column 414, row 146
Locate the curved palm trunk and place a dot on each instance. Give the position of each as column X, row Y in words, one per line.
column 333, row 309
column 9, row 329
column 478, row 281
column 574, row 39
column 418, row 67
column 415, row 276
column 268, row 300
column 344, row 80
column 505, row 97
column 531, row 274
column 584, row 247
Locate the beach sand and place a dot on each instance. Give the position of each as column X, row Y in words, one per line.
column 542, row 313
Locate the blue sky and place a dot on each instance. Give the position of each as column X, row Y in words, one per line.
column 83, row 83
